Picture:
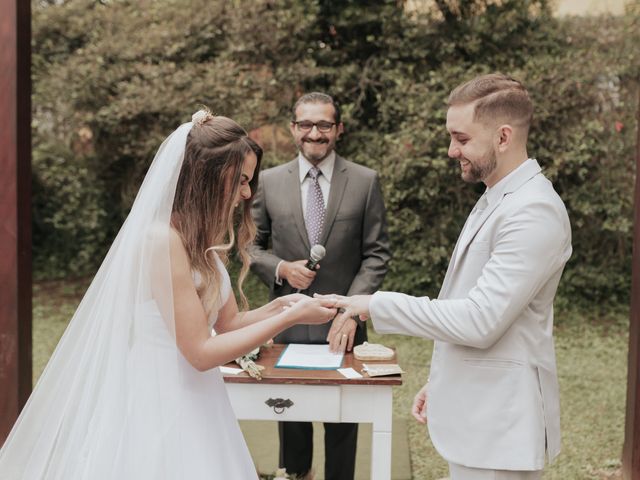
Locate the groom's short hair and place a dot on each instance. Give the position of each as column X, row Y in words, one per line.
column 496, row 96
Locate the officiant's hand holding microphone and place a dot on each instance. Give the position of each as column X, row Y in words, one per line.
column 301, row 273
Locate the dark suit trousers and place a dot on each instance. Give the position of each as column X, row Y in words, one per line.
column 296, row 438
column 296, row 448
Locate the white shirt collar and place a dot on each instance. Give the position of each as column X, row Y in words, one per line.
column 496, row 192
column 325, row 166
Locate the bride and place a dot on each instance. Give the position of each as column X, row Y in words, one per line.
column 132, row 390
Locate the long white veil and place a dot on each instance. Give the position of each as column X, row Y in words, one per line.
column 112, row 382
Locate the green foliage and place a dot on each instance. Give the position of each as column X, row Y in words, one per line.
column 66, row 202
column 112, row 79
column 592, row 356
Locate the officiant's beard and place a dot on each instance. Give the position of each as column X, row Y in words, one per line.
column 316, row 150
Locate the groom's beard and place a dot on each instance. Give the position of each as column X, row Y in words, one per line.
column 480, row 169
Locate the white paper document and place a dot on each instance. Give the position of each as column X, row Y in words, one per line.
column 318, row 357
column 349, row 373
column 230, row 370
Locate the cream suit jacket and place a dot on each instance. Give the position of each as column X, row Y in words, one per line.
column 493, row 397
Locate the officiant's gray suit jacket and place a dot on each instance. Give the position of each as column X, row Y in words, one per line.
column 354, row 235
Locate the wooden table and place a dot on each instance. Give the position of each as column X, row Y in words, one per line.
column 286, row 394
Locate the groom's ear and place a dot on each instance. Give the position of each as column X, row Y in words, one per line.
column 339, row 130
column 504, row 137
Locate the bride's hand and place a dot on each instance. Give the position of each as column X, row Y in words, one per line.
column 311, row 311
column 287, row 300
column 277, row 305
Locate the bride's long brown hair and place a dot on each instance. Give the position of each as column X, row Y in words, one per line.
column 204, row 212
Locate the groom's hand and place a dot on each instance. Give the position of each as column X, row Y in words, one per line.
column 355, row 306
column 344, row 326
column 419, row 407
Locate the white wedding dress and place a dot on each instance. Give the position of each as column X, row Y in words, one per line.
column 204, row 441
column 117, row 400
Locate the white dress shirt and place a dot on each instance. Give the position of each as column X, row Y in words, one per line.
column 324, row 180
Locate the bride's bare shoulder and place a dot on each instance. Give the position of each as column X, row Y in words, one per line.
column 164, row 241
column 162, row 233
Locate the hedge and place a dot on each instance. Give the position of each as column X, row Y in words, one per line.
column 113, row 78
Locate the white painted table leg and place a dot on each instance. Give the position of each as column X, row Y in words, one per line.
column 381, row 456
column 381, row 438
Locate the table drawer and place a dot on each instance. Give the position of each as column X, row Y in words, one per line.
column 285, row 402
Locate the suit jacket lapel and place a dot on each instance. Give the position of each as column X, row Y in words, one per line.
column 467, row 236
column 339, row 181
column 526, row 173
column 293, row 192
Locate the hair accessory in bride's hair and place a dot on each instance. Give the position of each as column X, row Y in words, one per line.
column 201, row 116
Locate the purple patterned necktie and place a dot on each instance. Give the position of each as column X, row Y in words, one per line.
column 315, row 208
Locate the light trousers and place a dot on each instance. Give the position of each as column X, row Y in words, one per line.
column 459, row 472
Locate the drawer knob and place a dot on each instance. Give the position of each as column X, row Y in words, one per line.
column 279, row 404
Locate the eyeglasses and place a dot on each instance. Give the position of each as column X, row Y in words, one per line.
column 322, row 126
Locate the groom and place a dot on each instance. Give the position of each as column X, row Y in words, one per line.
column 491, row 403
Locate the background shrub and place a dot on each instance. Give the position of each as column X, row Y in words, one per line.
column 113, row 78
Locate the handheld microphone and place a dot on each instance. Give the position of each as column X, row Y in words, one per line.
column 316, row 254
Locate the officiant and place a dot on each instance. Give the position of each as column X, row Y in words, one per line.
column 320, row 198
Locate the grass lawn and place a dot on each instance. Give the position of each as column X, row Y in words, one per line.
column 592, row 356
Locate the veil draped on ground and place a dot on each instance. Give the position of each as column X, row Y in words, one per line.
column 113, row 381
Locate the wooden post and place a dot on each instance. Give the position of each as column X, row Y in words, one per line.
column 631, row 449
column 15, row 210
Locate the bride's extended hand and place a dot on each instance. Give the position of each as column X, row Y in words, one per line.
column 287, row 300
column 277, row 305
column 311, row 311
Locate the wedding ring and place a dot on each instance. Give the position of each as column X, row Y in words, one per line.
column 344, row 335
